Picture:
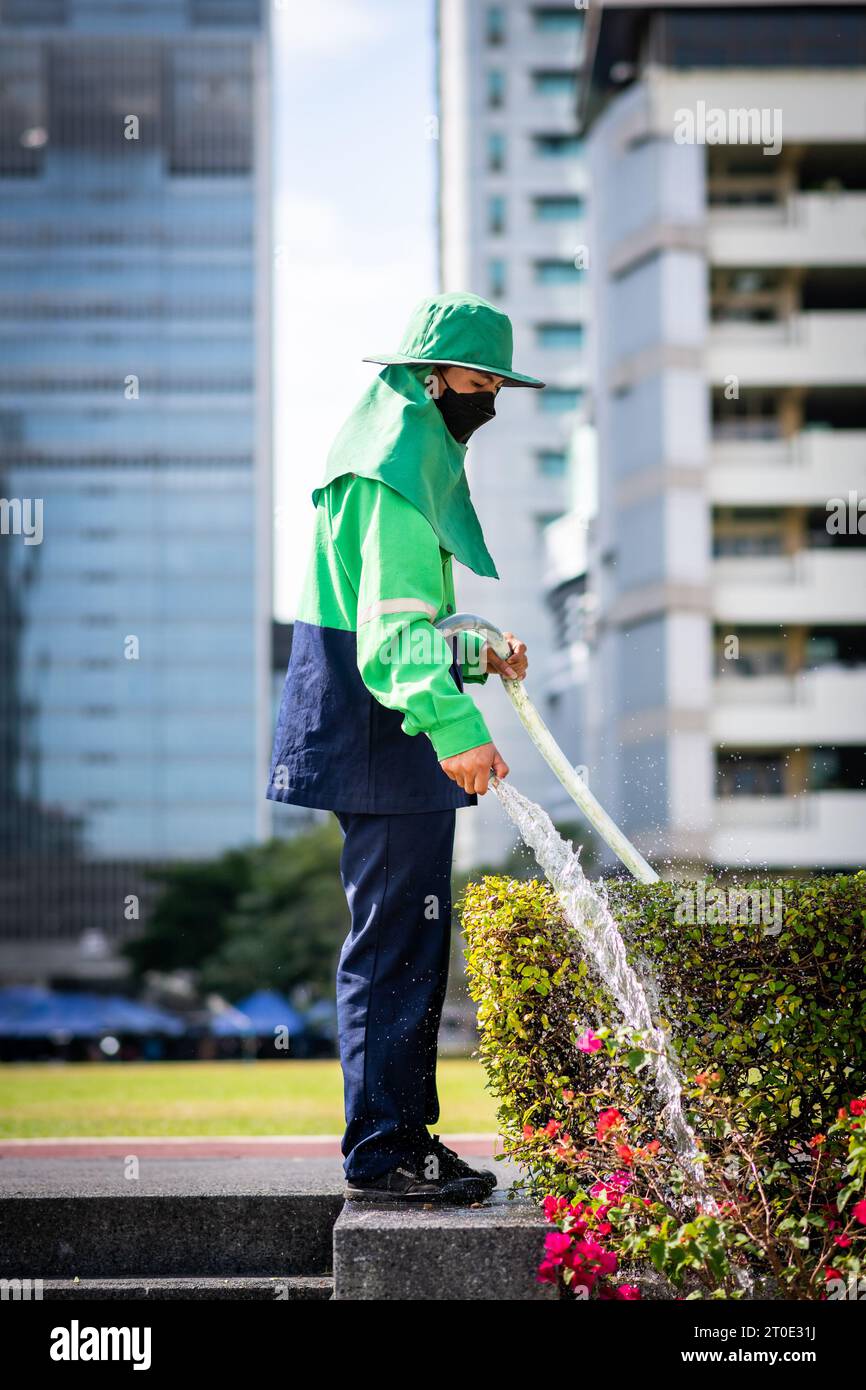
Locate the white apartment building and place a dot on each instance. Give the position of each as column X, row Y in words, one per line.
column 512, row 205
column 725, row 682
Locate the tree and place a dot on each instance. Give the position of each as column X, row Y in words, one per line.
column 270, row 917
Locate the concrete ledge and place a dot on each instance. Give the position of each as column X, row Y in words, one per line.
column 440, row 1253
column 65, row 1217
column 246, row 1288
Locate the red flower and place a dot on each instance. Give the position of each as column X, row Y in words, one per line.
column 528, row 1131
column 652, row 1147
column 843, row 1242
column 858, row 1107
column 859, row 1212
column 589, row 1256
column 556, row 1245
column 625, row 1154
column 548, row 1273
column 568, row 1097
column 607, row 1120
column 817, row 1140
column 552, row 1128
column 589, row 1042
column 552, row 1206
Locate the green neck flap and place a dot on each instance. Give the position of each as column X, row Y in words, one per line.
column 396, row 434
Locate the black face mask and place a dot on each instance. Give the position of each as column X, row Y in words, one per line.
column 465, row 411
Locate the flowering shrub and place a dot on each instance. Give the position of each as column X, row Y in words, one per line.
column 780, row 1208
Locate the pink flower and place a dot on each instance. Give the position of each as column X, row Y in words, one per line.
column 843, row 1242
column 629, row 1291
column 589, row 1042
column 548, row 1273
column 556, row 1244
column 859, row 1212
column 618, row 1182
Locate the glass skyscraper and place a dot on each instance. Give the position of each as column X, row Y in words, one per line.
column 135, row 577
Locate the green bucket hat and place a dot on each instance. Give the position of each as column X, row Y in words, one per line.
column 458, row 330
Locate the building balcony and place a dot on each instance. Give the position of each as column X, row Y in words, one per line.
column 812, row 586
column 805, row 470
column 817, row 348
column 814, row 229
column 815, row 830
column 826, row 706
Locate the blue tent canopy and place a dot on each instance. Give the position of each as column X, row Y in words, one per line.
column 44, row 1014
column 231, row 1023
column 267, row 1010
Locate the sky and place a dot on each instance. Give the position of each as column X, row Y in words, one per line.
column 354, row 233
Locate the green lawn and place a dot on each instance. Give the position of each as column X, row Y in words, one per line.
column 158, row 1098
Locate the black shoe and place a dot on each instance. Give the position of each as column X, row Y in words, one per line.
column 452, row 1167
column 407, row 1183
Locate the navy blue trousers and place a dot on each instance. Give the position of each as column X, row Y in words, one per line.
column 391, row 980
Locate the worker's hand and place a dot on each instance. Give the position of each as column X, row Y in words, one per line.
column 471, row 770
column 514, row 668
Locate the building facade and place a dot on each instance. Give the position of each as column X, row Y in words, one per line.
column 725, row 690
column 135, row 422
column 512, row 228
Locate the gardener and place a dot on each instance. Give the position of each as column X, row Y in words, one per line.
column 374, row 724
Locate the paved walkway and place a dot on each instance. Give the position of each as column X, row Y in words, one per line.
column 220, row 1166
column 217, row 1146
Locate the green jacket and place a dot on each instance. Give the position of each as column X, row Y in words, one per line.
column 377, row 569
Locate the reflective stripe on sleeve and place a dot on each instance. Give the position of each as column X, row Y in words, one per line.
column 396, row 605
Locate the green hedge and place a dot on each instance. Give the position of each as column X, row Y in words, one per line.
column 778, row 1008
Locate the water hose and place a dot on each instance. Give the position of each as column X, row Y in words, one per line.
column 550, row 749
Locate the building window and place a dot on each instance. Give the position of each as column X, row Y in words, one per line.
column 33, row 12
column 211, row 110
column 559, row 335
column 556, row 146
column 557, row 209
column 557, row 273
column 749, row 531
column 556, row 400
column 552, row 463
column 495, row 152
column 495, row 25
column 755, row 774
column 555, row 82
column 23, row 110
column 556, row 19
column 496, row 215
column 496, row 279
column 495, row 89
column 837, row 769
